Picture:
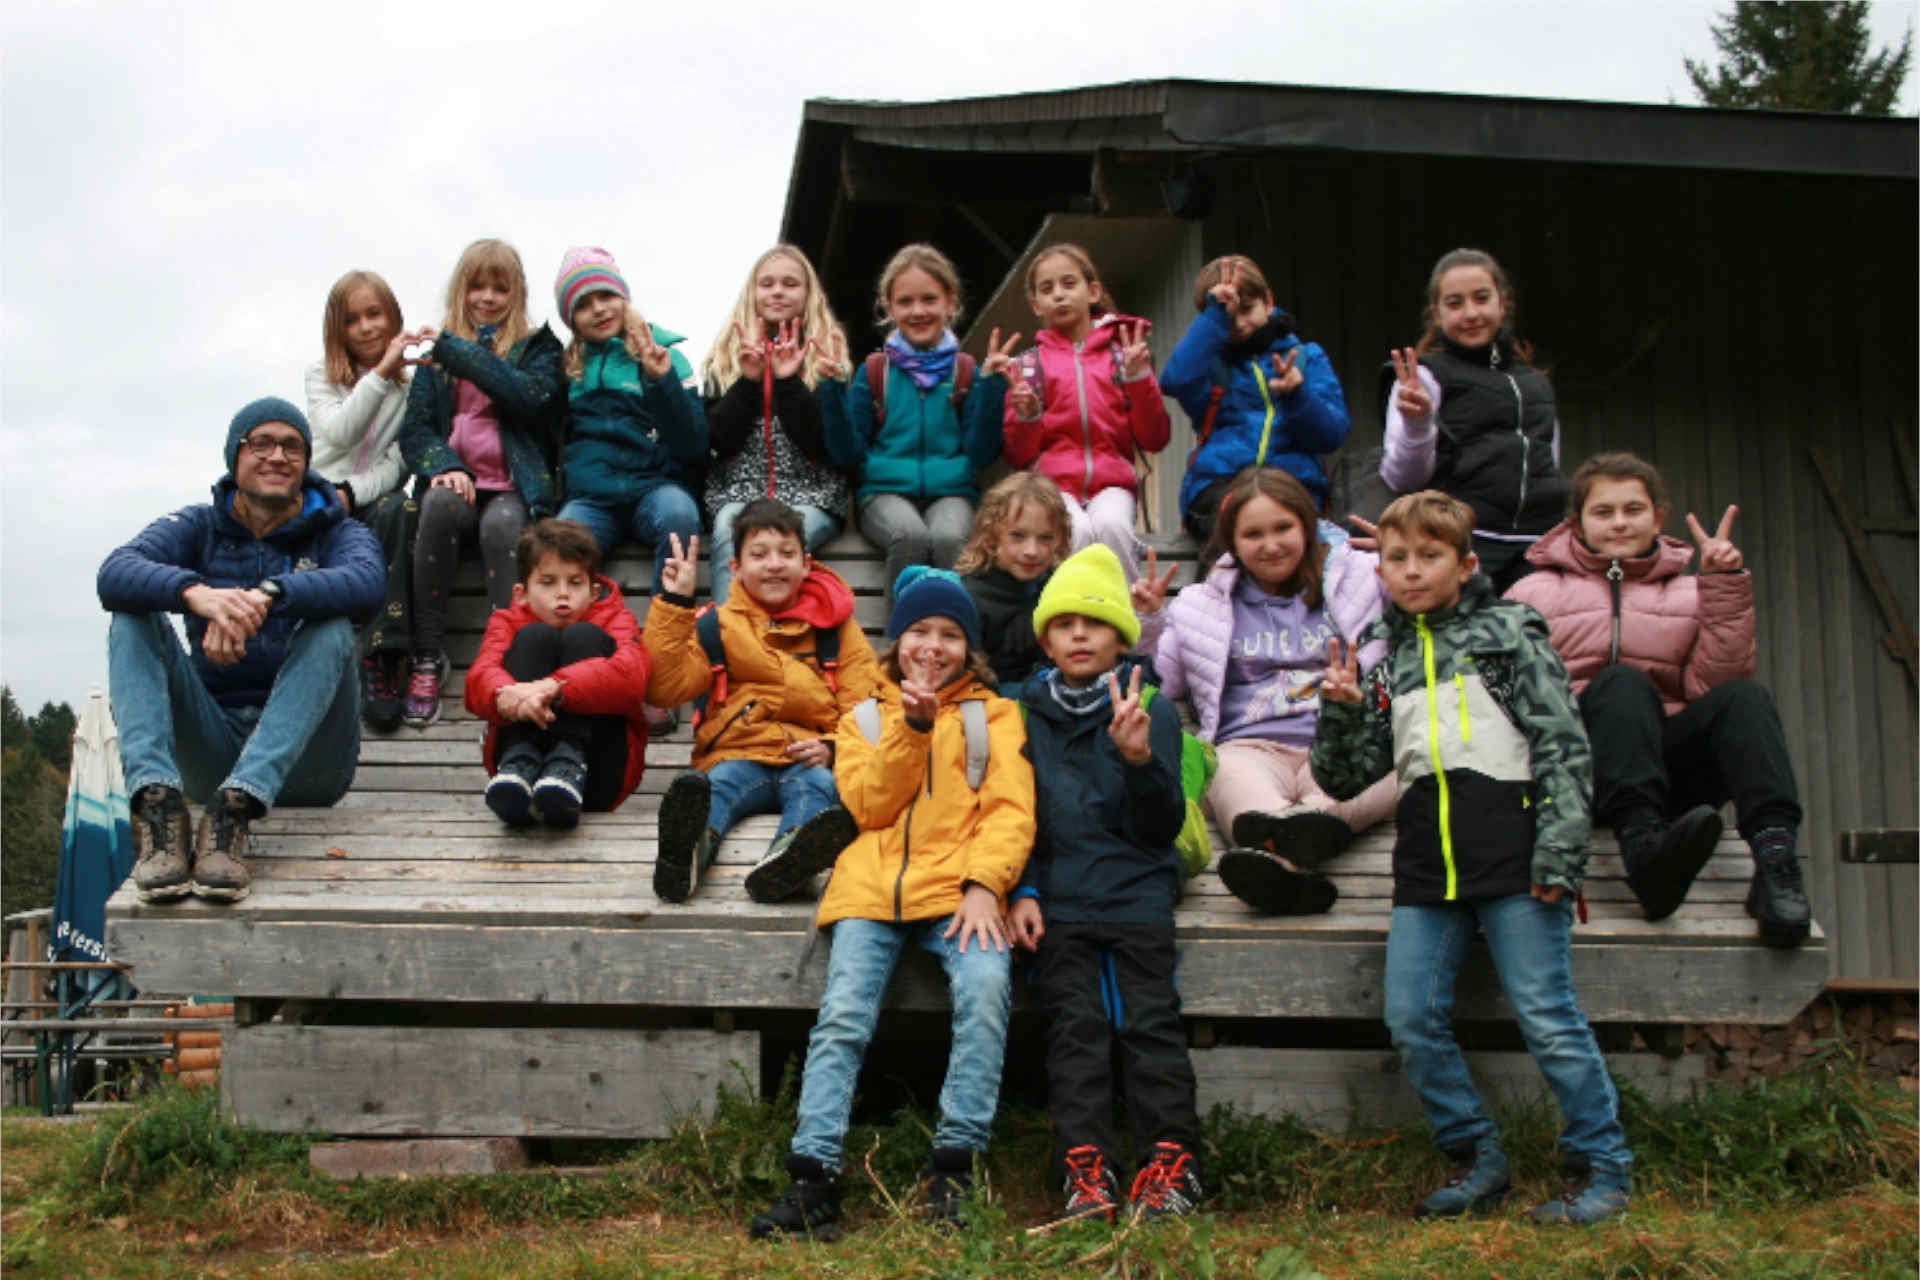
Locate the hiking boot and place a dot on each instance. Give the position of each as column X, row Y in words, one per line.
column 1269, row 883
column 163, row 854
column 687, row 843
column 1662, row 861
column 1778, row 896
column 948, row 1181
column 1589, row 1198
column 422, row 705
column 1092, row 1189
column 810, row 1208
column 1167, row 1186
column 562, row 788
column 1479, row 1182
column 1305, row 837
column 221, row 847
column 510, row 789
column 803, row 853
column 380, row 707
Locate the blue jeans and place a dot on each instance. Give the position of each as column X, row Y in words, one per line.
column 662, row 511
column 818, row 526
column 304, row 742
column 1531, row 945
column 741, row 787
column 863, row 959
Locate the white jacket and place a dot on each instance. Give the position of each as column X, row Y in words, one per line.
column 356, row 432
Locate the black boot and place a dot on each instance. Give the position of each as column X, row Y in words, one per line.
column 1662, row 861
column 948, row 1179
column 811, row 1207
column 1778, row 898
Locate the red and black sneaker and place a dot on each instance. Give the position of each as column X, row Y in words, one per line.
column 1166, row 1185
column 1092, row 1189
column 379, row 692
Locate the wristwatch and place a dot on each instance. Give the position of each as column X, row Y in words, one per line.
column 272, row 590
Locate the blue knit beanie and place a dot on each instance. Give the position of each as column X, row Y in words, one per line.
column 920, row 592
column 265, row 409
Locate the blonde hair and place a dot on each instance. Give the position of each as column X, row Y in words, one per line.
column 1102, row 302
column 1432, row 514
column 1248, row 283
column 495, row 258
column 634, row 338
column 722, row 366
column 1002, row 506
column 341, row 366
column 929, row 260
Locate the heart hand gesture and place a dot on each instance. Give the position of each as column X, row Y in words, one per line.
column 1150, row 593
column 680, row 575
column 1131, row 726
column 1409, row 395
column 1136, row 361
column 1717, row 553
column 1287, row 375
column 999, row 358
column 1341, row 683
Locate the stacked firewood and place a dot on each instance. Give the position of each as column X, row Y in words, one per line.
column 1878, row 1030
column 196, row 1053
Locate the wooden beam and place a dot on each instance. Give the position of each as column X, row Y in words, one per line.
column 1899, row 637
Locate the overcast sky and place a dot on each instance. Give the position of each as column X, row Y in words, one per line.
column 181, row 183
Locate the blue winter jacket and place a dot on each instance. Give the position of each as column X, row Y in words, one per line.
column 328, row 566
column 1254, row 427
column 629, row 433
column 925, row 449
column 528, row 388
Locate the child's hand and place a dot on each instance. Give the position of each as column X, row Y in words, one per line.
column 458, row 481
column 680, row 575
column 1549, row 893
column 1370, row 542
column 1150, row 593
column 919, row 696
column 1131, row 725
column 1287, row 376
column 530, row 701
column 1227, row 291
column 655, row 360
column 1409, row 395
column 787, row 353
column 1000, row 359
column 753, row 353
column 1136, row 360
column 812, row 752
column 391, row 359
column 1717, row 554
column 1025, row 924
column 829, row 361
column 1025, row 400
column 1341, row 683
column 978, row 917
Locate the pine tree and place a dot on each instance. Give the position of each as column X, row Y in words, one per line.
column 1798, row 56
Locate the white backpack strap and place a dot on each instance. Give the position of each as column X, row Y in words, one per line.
column 866, row 714
column 973, row 719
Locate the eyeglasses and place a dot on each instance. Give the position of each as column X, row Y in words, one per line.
column 262, row 447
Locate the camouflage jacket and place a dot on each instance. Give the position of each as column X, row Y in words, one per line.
column 1472, row 708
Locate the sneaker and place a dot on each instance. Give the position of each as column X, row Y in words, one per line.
column 810, row 1208
column 803, row 853
column 1589, row 1198
column 1269, row 883
column 686, row 842
column 1092, row 1189
column 380, row 705
column 422, row 706
column 562, row 789
column 1167, row 1186
column 661, row 721
column 1662, row 861
column 1304, row 837
column 1478, row 1183
column 221, row 847
column 510, row 789
column 1778, row 896
column 948, row 1182
column 163, row 856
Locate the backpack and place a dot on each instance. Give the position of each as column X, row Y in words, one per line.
column 964, row 367
column 706, row 627
column 973, row 720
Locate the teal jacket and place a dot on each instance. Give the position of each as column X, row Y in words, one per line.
column 628, row 433
column 925, row 449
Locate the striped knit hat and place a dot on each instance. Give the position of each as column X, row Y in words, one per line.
column 583, row 271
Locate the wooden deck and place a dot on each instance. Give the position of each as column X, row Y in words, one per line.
column 409, row 892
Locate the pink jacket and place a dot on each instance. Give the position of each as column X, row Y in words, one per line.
column 1196, row 630
column 1090, row 423
column 1688, row 632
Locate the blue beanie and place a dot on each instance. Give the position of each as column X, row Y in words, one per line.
column 920, row 592
column 265, row 409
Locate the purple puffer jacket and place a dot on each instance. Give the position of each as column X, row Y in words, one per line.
column 1196, row 627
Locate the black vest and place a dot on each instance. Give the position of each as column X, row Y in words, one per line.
column 1496, row 425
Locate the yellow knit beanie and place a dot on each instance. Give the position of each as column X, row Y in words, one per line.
column 1090, row 582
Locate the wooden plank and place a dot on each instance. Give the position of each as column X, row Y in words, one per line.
column 479, row 1081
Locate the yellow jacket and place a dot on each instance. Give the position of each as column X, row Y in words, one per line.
column 923, row 831
column 776, row 692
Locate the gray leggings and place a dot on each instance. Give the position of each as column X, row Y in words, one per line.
column 497, row 517
column 912, row 532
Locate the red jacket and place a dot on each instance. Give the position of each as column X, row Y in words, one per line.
column 615, row 686
column 1688, row 632
column 1086, row 445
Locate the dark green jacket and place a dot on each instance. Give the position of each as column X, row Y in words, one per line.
column 528, row 388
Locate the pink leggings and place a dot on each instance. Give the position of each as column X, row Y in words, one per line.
column 1256, row 774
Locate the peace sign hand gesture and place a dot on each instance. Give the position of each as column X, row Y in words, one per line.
column 829, row 361
column 1150, row 593
column 1136, row 361
column 655, row 360
column 1341, row 683
column 1409, row 395
column 1287, row 376
column 1227, row 290
column 919, row 697
column 999, row 359
column 786, row 351
column 753, row 354
column 680, row 575
column 1131, row 726
column 1717, row 553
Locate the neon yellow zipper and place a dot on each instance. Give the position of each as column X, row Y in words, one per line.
column 1466, row 725
column 1266, row 428
column 1433, row 750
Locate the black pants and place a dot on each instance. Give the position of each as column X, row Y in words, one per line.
column 1504, row 563
column 496, row 518
column 538, row 651
column 1104, row 986
column 1726, row 745
column 395, row 520
column 1204, row 510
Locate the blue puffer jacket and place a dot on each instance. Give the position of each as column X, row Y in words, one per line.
column 1253, row 426
column 925, row 449
column 629, row 433
column 529, row 390
column 328, row 566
